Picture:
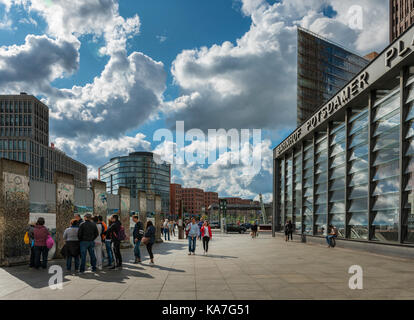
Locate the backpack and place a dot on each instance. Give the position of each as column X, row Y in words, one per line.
column 26, row 238
column 121, row 234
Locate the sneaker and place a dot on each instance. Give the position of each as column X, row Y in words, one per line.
column 136, row 260
column 113, row 267
column 189, row 253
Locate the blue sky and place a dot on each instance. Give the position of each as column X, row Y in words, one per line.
column 113, row 72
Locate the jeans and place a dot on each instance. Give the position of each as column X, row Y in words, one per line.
column 137, row 252
column 149, row 248
column 109, row 251
column 205, row 243
column 32, row 257
column 98, row 254
column 69, row 263
column 117, row 252
column 40, row 251
column 166, row 231
column 87, row 246
column 192, row 243
column 328, row 239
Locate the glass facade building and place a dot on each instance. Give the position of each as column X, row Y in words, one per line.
column 323, row 69
column 139, row 172
column 351, row 164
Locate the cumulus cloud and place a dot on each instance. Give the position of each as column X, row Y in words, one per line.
column 253, row 83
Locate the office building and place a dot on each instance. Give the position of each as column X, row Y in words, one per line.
column 24, row 131
column 210, row 198
column 401, row 17
column 139, row 171
column 351, row 164
column 323, row 68
column 176, row 196
column 193, row 201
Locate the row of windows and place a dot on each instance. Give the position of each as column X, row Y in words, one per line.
column 15, row 132
column 7, row 106
column 12, row 144
column 340, row 195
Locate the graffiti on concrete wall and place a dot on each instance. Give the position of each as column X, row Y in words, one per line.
column 15, row 215
column 16, row 187
column 65, row 196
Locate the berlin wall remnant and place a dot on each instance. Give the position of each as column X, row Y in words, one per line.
column 142, row 198
column 14, row 211
column 65, row 197
column 124, row 209
column 158, row 222
column 100, row 199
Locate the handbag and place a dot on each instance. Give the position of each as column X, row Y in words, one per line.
column 145, row 240
column 49, row 242
column 64, row 251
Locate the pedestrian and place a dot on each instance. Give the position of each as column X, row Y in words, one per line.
column 72, row 245
column 98, row 243
column 138, row 234
column 108, row 245
column 114, row 230
column 290, row 230
column 170, row 227
column 150, row 240
column 87, row 234
column 287, row 227
column 40, row 235
column 30, row 233
column 166, row 230
column 200, row 224
column 254, row 230
column 193, row 233
column 185, row 228
column 206, row 236
column 173, row 227
column 103, row 238
column 79, row 218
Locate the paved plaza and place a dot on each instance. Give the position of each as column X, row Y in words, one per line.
column 238, row 267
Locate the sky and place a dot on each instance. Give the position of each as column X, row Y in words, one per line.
column 115, row 73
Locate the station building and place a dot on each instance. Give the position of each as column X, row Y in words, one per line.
column 351, row 164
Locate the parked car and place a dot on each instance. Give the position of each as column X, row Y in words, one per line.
column 247, row 225
column 233, row 227
column 215, row 225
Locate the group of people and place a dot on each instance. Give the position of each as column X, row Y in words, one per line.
column 332, row 233
column 92, row 236
column 168, row 229
column 198, row 230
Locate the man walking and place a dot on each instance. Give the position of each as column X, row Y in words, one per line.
column 138, row 234
column 87, row 234
column 166, row 230
column 193, row 233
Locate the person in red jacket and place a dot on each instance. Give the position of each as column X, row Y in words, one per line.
column 206, row 235
column 40, row 249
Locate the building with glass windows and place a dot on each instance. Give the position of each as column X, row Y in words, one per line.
column 139, row 172
column 351, row 163
column 323, row 68
column 24, row 137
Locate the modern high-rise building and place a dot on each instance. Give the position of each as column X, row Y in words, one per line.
column 139, row 172
column 24, row 136
column 401, row 17
column 323, row 69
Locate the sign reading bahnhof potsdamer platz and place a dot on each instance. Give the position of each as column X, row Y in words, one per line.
column 351, row 164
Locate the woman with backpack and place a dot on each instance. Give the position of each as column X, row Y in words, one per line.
column 72, row 245
column 149, row 239
column 115, row 232
column 40, row 234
